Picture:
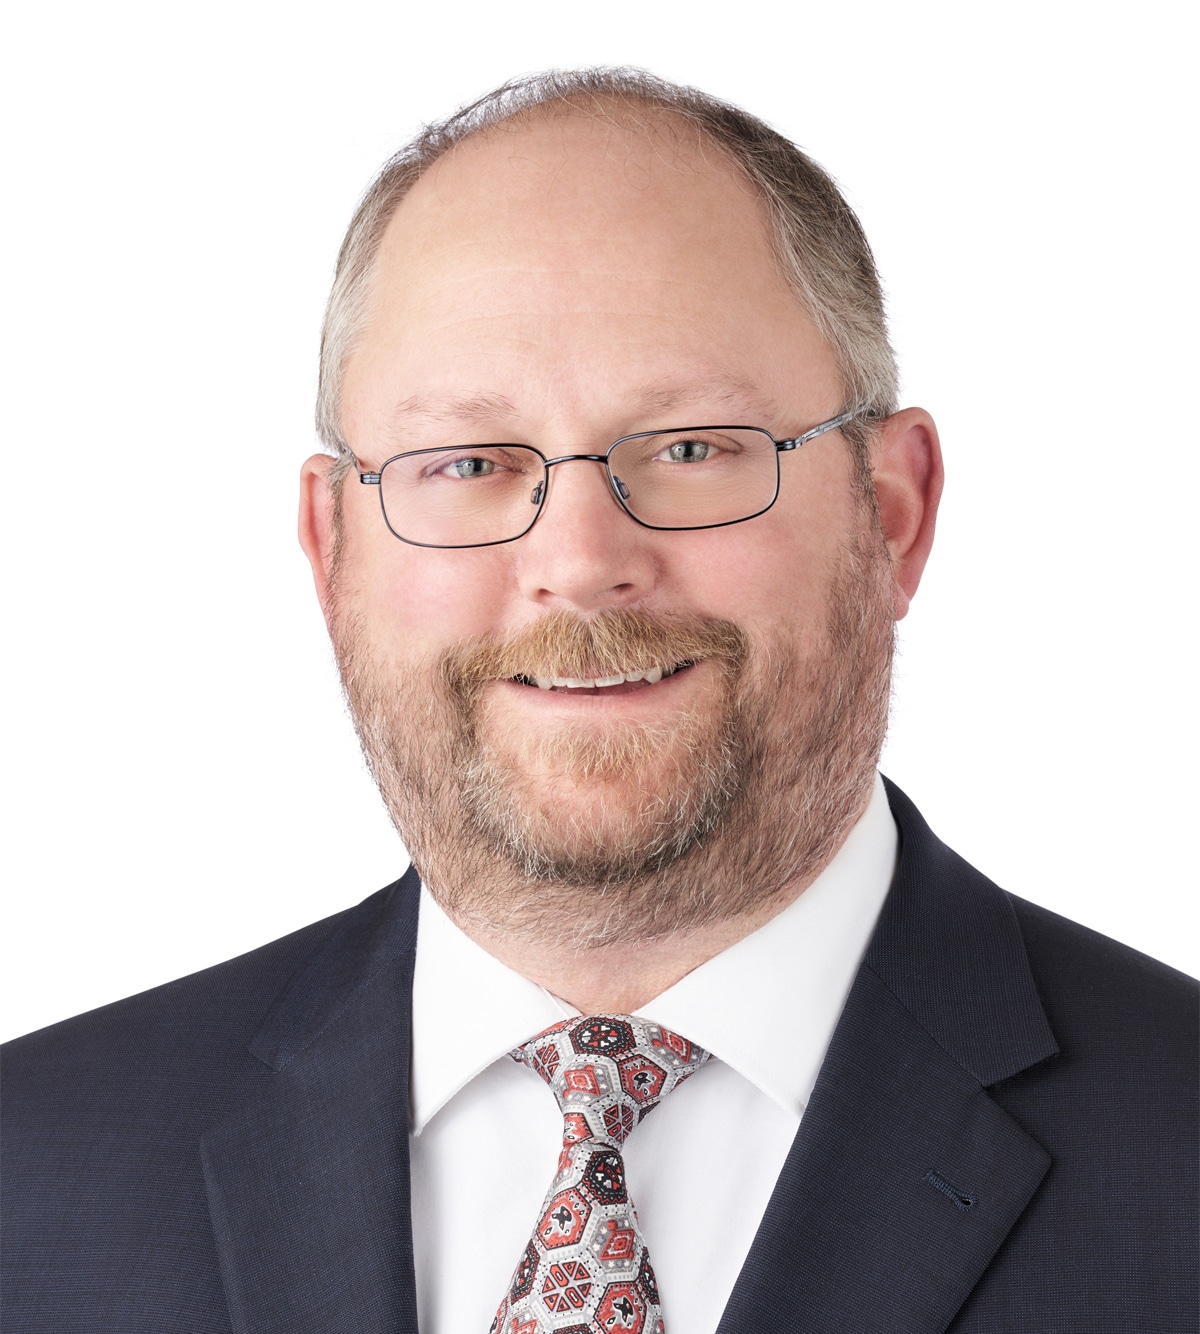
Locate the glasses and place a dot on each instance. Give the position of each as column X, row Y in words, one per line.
column 484, row 495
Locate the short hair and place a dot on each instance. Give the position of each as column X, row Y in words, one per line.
column 818, row 240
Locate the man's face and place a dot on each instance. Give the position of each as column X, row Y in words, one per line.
column 562, row 284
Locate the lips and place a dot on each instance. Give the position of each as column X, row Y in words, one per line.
column 648, row 675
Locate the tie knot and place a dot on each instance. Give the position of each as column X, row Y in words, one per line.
column 607, row 1071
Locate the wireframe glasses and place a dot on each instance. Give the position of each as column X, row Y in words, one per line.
column 483, row 495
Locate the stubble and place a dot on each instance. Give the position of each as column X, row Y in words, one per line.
column 580, row 837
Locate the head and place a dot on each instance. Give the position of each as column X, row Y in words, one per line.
column 567, row 263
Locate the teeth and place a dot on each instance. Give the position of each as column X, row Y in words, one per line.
column 652, row 675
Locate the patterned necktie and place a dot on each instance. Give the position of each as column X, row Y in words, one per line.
column 585, row 1270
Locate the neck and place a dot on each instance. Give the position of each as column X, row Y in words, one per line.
column 622, row 977
column 623, row 972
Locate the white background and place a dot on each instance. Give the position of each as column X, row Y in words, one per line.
column 182, row 782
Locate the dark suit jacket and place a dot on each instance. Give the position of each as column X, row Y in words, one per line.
column 1001, row 1138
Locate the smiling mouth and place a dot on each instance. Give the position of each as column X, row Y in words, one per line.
column 617, row 682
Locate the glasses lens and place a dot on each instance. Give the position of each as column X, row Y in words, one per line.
column 463, row 497
column 696, row 478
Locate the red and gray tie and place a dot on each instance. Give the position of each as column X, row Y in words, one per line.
column 585, row 1269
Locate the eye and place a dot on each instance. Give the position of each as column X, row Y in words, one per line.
column 688, row 451
column 468, row 467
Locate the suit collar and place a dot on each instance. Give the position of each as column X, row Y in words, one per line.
column 905, row 1177
column 949, row 949
column 308, row 1184
column 365, row 942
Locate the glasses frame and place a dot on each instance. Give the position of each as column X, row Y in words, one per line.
column 367, row 478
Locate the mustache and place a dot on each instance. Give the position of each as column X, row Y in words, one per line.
column 617, row 639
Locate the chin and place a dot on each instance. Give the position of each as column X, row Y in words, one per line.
column 572, row 808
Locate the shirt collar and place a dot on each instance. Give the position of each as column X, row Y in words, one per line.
column 469, row 1009
column 767, row 1005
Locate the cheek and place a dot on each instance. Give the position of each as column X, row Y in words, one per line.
column 775, row 571
column 418, row 601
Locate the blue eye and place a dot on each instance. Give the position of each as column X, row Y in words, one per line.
column 470, row 467
column 689, row 451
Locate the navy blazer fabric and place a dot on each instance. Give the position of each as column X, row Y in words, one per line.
column 1002, row 1138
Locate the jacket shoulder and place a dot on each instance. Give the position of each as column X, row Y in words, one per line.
column 192, row 1032
column 1103, row 996
column 107, row 1221
column 1023, row 965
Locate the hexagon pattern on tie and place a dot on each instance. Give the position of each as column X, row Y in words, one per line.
column 585, row 1270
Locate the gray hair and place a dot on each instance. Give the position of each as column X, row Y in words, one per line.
column 819, row 241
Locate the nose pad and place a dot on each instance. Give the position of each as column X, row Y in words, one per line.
column 620, row 488
column 536, row 496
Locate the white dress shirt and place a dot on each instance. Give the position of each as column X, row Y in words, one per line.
column 486, row 1131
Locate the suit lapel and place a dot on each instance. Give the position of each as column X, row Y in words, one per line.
column 905, row 1177
column 308, row 1183
column 857, row 1236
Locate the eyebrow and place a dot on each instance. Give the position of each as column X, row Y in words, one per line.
column 712, row 391
column 647, row 406
column 454, row 408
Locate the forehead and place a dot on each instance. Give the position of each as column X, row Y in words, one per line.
column 577, row 248
column 565, row 175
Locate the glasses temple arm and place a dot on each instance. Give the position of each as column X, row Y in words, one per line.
column 831, row 425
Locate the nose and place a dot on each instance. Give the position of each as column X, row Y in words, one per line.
column 584, row 553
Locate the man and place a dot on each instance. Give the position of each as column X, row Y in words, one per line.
column 618, row 516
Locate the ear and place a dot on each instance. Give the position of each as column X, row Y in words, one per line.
column 906, row 465
column 316, row 527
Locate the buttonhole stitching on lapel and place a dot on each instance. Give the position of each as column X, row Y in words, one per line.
column 960, row 1198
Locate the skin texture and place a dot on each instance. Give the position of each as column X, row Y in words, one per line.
column 563, row 282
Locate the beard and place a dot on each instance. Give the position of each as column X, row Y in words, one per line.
column 589, row 834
